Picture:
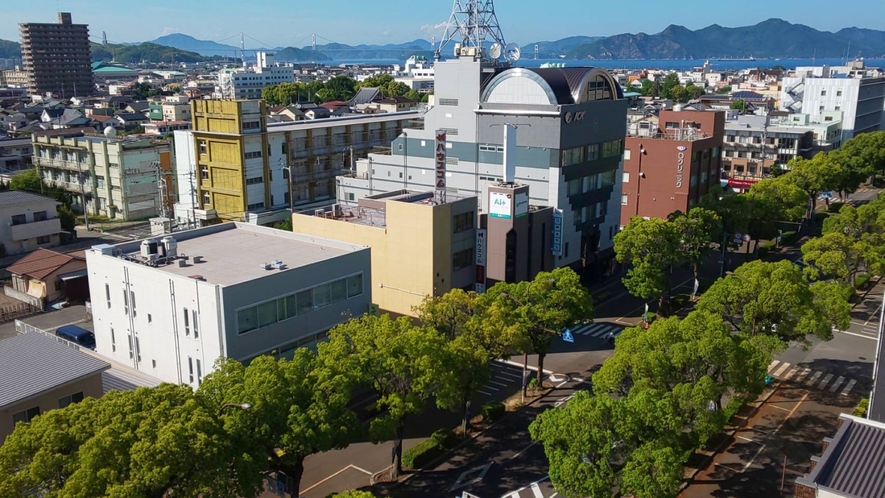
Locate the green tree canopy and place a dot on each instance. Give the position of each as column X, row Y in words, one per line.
column 863, row 155
column 697, row 230
column 818, row 174
column 651, row 246
column 837, row 255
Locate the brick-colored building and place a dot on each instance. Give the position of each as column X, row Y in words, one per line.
column 57, row 57
column 670, row 168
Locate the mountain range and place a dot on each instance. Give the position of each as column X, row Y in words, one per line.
column 771, row 38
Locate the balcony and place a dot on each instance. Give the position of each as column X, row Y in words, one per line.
column 36, row 229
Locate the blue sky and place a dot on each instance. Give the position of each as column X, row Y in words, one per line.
column 290, row 22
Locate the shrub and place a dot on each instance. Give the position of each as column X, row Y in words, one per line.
column 834, row 207
column 421, row 454
column 861, row 410
column 493, row 411
column 788, row 237
column 445, row 438
column 861, row 281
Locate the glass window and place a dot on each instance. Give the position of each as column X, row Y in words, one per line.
column 355, row 285
column 321, row 296
column 623, row 199
column 40, row 216
column 18, row 219
column 593, row 152
column 247, row 320
column 282, row 313
column 462, row 259
column 73, row 398
column 26, row 416
column 267, row 314
column 608, row 178
column 463, row 222
column 305, row 301
column 626, row 177
column 291, row 306
column 196, row 332
column 339, row 290
column 574, row 186
column 572, row 156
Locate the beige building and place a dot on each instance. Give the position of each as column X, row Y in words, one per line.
column 38, row 373
column 14, row 78
column 27, row 222
column 419, row 246
column 46, row 276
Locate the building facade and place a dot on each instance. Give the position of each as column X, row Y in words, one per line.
column 571, row 125
column 243, row 168
column 57, row 57
column 240, row 291
column 15, row 154
column 851, row 90
column 420, row 246
column 754, row 146
column 119, row 178
column 17, row 78
column 248, row 82
column 28, row 222
column 671, row 169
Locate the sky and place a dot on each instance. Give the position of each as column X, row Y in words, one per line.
column 277, row 23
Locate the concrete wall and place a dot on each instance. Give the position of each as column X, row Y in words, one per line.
column 19, row 246
column 90, row 386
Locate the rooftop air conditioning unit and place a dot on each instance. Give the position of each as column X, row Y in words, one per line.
column 319, row 212
column 265, row 266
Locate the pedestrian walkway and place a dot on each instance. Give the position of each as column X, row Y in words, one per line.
column 542, row 488
column 598, row 330
column 796, row 374
column 504, row 378
column 870, row 329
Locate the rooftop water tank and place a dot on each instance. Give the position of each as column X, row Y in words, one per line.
column 171, row 246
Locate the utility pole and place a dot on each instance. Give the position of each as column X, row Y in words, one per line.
column 193, row 200
column 83, row 193
column 288, row 169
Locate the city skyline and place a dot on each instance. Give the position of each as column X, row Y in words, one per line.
column 522, row 21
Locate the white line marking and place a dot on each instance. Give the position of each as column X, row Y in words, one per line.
column 781, row 370
column 533, row 369
column 848, row 387
column 498, row 383
column 536, row 490
column 791, row 373
column 490, row 387
column 508, row 376
column 772, row 365
column 826, row 381
column 805, row 372
column 520, row 452
column 745, row 439
column 865, row 336
column 813, row 379
column 364, row 471
column 835, row 385
column 747, row 466
column 480, row 391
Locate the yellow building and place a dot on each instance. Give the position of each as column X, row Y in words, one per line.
column 419, row 246
column 245, row 169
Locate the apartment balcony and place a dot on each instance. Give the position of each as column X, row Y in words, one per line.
column 43, row 162
column 36, row 229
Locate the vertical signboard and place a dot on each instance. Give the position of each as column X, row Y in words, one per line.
column 440, row 158
column 680, row 164
column 499, row 205
column 480, row 262
column 522, row 205
column 556, row 246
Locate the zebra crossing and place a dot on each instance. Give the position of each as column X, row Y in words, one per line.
column 504, row 377
column 598, row 330
column 796, row 374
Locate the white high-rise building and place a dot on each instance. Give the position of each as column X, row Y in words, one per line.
column 247, row 82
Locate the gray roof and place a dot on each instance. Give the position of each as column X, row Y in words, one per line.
column 14, row 197
column 34, row 363
column 854, row 462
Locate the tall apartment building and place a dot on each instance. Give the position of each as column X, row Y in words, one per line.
column 670, row 169
column 858, row 93
column 571, row 125
column 754, row 145
column 233, row 165
column 247, row 82
column 118, row 177
column 170, row 307
column 57, row 57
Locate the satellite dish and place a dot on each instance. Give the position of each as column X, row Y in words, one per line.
column 495, row 51
column 110, row 132
column 512, row 52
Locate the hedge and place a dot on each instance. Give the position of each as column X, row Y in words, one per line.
column 788, row 237
column 861, row 410
column 493, row 411
column 861, row 281
column 445, row 438
column 421, row 454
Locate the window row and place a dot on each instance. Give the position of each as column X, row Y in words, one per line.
column 463, row 222
column 593, row 182
column 299, row 303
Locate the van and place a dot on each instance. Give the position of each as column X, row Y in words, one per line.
column 77, row 335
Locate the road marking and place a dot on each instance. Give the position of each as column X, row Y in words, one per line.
column 508, row 376
column 784, row 421
column 826, row 381
column 498, row 383
column 536, row 490
column 780, row 370
column 855, row 334
column 490, row 387
column 848, row 387
column 480, row 391
column 836, row 384
column 516, row 364
column 773, row 364
column 520, row 452
column 476, row 470
column 745, row 439
column 364, row 471
column 305, row 490
column 792, row 373
column 813, row 378
column 779, row 408
column 874, row 314
column 747, row 466
column 805, row 372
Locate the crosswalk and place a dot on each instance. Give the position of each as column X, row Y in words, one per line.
column 542, row 488
column 504, row 378
column 598, row 330
column 870, row 329
column 805, row 376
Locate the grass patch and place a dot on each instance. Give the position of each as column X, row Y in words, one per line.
column 861, row 410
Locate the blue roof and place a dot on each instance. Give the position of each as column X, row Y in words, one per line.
column 747, row 96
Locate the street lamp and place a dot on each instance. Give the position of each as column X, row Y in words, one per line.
column 640, row 175
column 287, row 172
column 241, row 406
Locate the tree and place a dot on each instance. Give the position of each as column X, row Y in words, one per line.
column 770, row 202
column 339, row 88
column 284, row 225
column 402, row 363
column 539, row 310
column 67, row 218
column 27, row 180
column 694, row 92
column 354, row 494
column 395, row 89
column 651, row 246
column 149, row 442
column 377, row 81
column 297, row 410
column 818, row 174
column 671, row 81
column 697, row 230
column 739, row 105
column 864, row 155
column 679, row 94
column 776, row 299
column 837, row 255
column 724, row 90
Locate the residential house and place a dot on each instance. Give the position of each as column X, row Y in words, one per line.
column 397, row 104
column 130, row 121
column 27, row 222
column 47, row 276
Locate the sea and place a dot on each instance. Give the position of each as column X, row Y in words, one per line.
column 674, row 64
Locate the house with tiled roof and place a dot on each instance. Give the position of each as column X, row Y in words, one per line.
column 50, row 276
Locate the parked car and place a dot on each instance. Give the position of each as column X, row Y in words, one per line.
column 77, row 335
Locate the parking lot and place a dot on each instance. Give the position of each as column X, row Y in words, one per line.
column 775, row 447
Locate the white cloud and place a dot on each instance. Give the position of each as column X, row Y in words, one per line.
column 169, row 31
column 386, row 33
column 435, row 29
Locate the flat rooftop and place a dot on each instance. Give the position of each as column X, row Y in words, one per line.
column 232, row 253
column 371, row 210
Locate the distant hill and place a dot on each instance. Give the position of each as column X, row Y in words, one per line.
column 554, row 49
column 191, row 44
column 9, row 50
column 771, row 38
column 294, row 54
column 148, row 52
column 402, row 51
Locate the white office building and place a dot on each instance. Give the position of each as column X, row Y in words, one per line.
column 170, row 307
column 247, row 82
column 857, row 92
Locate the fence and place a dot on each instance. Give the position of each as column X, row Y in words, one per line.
column 23, row 328
column 15, row 311
column 27, row 299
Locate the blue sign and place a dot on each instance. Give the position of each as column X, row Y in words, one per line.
column 567, row 336
column 556, row 246
column 827, row 195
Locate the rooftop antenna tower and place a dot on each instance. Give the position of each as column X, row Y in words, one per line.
column 471, row 25
column 104, row 38
column 314, row 42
